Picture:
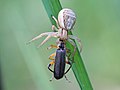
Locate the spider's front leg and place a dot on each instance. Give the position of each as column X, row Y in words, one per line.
column 54, row 28
column 48, row 34
column 56, row 21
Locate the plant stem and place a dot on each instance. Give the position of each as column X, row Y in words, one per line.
column 53, row 7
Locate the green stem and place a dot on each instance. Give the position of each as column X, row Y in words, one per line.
column 53, row 7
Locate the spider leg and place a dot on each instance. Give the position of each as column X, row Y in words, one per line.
column 76, row 38
column 50, row 34
column 56, row 21
column 39, row 36
column 54, row 28
column 72, row 42
column 46, row 39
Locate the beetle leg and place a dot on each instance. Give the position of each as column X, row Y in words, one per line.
column 67, row 79
column 76, row 38
column 56, row 21
column 71, row 41
column 68, row 53
column 52, row 78
column 52, row 46
column 50, row 64
column 51, row 56
column 68, row 62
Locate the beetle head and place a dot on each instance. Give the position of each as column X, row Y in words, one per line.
column 66, row 19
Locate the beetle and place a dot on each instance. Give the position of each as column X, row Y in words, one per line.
column 59, row 62
column 65, row 23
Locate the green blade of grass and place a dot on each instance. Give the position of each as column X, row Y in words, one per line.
column 53, row 7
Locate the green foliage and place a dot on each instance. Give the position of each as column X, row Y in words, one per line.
column 53, row 7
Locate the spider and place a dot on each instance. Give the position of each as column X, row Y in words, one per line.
column 65, row 23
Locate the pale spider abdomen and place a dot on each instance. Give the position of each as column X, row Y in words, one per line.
column 66, row 19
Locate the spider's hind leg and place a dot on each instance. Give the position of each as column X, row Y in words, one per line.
column 75, row 38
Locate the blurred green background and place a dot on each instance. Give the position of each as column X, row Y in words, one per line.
column 24, row 67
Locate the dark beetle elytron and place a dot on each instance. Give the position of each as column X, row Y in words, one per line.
column 59, row 62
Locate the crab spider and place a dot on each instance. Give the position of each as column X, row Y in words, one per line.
column 65, row 22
